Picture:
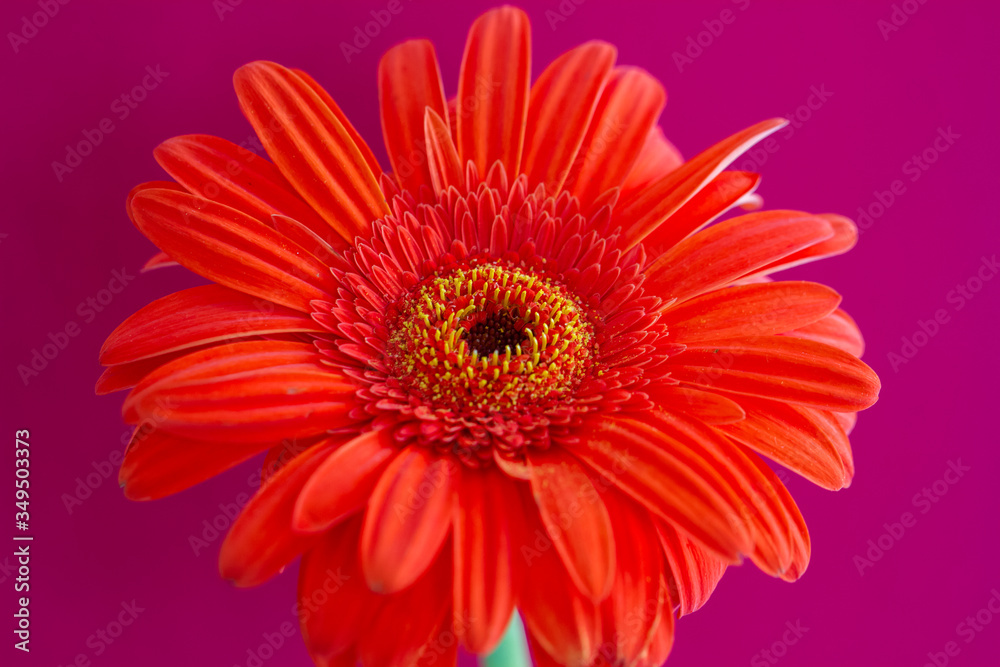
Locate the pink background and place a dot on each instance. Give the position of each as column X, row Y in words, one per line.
column 886, row 100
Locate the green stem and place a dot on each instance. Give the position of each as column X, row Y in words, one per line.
column 513, row 648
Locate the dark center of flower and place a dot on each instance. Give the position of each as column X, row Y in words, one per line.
column 486, row 337
column 496, row 332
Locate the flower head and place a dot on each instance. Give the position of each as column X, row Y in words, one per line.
column 524, row 367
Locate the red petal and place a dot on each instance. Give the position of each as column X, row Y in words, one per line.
column 335, row 607
column 483, row 584
column 649, row 207
column 216, row 169
column 747, row 311
column 704, row 405
column 408, row 517
column 668, row 478
column 231, row 248
column 413, row 627
column 409, row 82
column 562, row 104
column 341, row 486
column 198, row 316
column 256, row 392
column 810, row 442
column 261, row 541
column 576, row 520
column 442, row 157
column 493, row 90
column 628, row 109
column 836, row 329
column 158, row 261
column 637, row 603
column 845, row 236
column 731, row 249
column 658, row 158
column 728, row 189
column 564, row 622
column 781, row 368
column 126, row 376
column 366, row 151
column 311, row 147
column 695, row 572
column 158, row 464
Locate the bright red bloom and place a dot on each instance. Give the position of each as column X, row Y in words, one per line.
column 520, row 370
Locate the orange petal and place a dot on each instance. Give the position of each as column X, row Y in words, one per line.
column 628, row 109
column 311, row 147
column 845, row 236
column 648, row 208
column 409, row 83
column 704, row 405
column 257, row 392
column 484, row 580
column 731, row 249
column 197, row 316
column 159, row 464
column 562, row 103
column 335, row 606
column 666, row 477
column 342, row 485
column 231, row 248
column 837, row 329
column 217, row 169
column 694, row 571
column 442, row 158
column 576, row 520
column 261, row 542
column 809, row 442
column 658, row 158
column 408, row 518
column 562, row 621
column 748, row 311
column 781, row 368
column 493, row 90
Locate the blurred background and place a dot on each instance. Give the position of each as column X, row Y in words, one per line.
column 893, row 108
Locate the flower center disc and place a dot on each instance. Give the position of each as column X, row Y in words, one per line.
column 489, row 337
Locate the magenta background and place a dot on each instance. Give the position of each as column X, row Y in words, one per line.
column 889, row 99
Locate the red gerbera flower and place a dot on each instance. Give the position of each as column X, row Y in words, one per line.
column 520, row 370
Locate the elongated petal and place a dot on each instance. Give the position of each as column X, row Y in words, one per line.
column 748, row 311
column 730, row 250
column 311, row 147
column 214, row 168
column 408, row 518
column 757, row 504
column 649, row 207
column 845, row 236
column 159, row 464
column 355, row 136
column 198, row 316
column 637, row 603
column 802, row 371
column 409, row 83
column 413, row 623
column 335, row 606
column 253, row 392
column 261, row 542
column 694, row 571
column 231, row 248
column 484, row 587
column 493, row 90
column 342, row 484
column 837, row 329
column 807, row 441
column 722, row 193
column 704, row 405
column 657, row 158
column 576, row 520
column 442, row 157
column 561, row 107
column 628, row 109
column 666, row 478
column 564, row 622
